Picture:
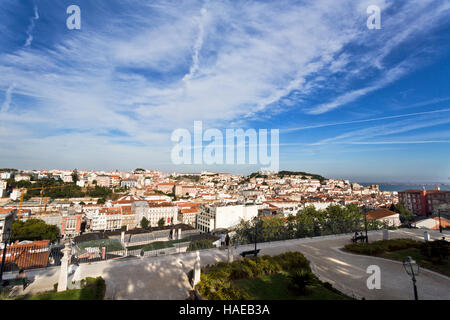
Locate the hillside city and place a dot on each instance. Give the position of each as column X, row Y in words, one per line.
column 61, row 218
column 88, row 201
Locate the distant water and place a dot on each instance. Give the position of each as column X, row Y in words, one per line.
column 401, row 187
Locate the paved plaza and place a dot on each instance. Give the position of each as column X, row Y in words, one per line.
column 165, row 277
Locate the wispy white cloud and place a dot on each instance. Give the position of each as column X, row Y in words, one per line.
column 369, row 120
column 31, row 27
column 389, row 129
column 8, row 98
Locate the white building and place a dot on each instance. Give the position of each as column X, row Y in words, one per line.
column 22, row 178
column 81, row 183
column 386, row 216
column 6, row 175
column 67, row 178
column 3, row 188
column 154, row 212
column 166, row 211
column 224, row 216
column 15, row 194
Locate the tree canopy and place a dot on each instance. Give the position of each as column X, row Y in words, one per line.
column 145, row 223
column 34, row 229
column 405, row 214
column 309, row 222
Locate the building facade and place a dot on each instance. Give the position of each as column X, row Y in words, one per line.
column 218, row 217
column 424, row 202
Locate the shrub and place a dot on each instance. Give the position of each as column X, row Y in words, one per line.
column 300, row 279
column 93, row 289
column 290, row 261
column 215, row 281
column 240, row 271
column 436, row 251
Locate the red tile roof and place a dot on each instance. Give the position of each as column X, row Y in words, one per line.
column 380, row 213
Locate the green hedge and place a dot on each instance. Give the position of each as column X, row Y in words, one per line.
column 379, row 247
column 200, row 244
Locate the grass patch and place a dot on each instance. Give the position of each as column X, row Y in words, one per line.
column 421, row 260
column 109, row 244
column 433, row 255
column 278, row 287
column 157, row 245
column 92, row 289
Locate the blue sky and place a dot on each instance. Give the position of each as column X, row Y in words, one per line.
column 368, row 105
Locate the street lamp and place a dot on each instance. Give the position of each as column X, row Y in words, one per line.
column 365, row 226
column 256, row 224
column 6, row 239
column 412, row 269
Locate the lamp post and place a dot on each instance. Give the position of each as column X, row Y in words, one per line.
column 412, row 269
column 365, row 226
column 7, row 238
column 256, row 225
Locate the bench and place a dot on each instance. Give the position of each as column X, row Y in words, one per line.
column 250, row 252
column 355, row 239
column 16, row 282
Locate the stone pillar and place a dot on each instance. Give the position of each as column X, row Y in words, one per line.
column 385, row 234
column 197, row 271
column 179, row 234
column 230, row 254
column 426, row 236
column 62, row 282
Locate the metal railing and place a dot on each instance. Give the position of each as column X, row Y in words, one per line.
column 258, row 233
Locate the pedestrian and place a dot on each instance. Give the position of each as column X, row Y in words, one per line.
column 227, row 240
column 222, row 240
column 22, row 275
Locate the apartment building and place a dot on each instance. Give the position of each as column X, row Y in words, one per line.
column 71, row 225
column 218, row 217
column 424, row 202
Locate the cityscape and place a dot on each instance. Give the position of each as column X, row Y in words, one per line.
column 249, row 153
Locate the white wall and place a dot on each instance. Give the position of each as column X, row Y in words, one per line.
column 230, row 216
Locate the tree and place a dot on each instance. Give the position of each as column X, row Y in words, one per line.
column 34, row 229
column 161, row 222
column 75, row 175
column 101, row 201
column 144, row 223
column 405, row 214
